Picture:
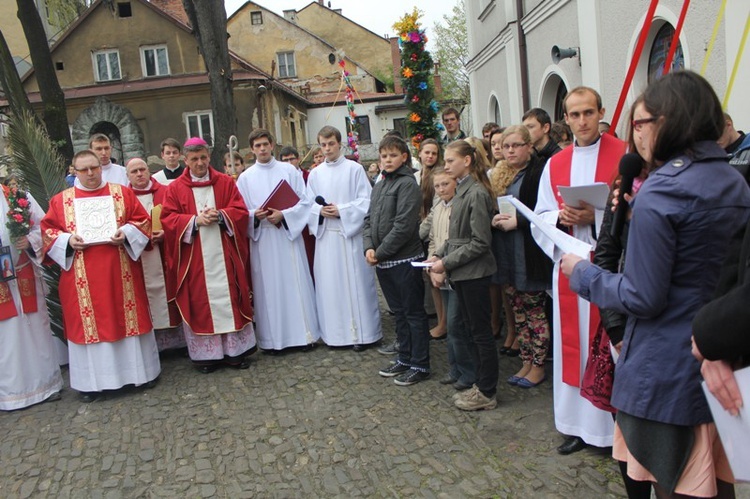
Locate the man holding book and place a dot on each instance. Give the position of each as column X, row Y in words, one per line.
column 205, row 241
column 96, row 231
column 274, row 193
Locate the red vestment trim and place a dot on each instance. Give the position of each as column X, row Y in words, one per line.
column 610, row 152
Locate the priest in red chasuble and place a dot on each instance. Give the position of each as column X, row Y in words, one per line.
column 205, row 235
column 102, row 292
column 164, row 314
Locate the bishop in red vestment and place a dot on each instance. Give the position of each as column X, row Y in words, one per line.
column 164, row 313
column 102, row 292
column 205, row 233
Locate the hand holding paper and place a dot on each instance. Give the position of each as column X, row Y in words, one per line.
column 562, row 241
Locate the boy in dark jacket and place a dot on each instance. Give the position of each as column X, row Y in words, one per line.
column 391, row 242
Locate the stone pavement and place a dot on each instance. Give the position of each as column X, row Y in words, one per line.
column 314, row 424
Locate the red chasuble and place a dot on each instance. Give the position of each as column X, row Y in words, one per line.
column 103, row 295
column 149, row 198
column 211, row 288
column 610, row 152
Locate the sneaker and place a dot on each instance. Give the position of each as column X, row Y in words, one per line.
column 389, row 349
column 475, row 401
column 411, row 377
column 393, row 370
column 465, row 393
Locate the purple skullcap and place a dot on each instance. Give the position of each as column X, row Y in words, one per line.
column 196, row 142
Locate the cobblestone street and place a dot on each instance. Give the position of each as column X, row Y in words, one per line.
column 315, row 424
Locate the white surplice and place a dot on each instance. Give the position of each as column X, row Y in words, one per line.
column 284, row 297
column 345, row 289
column 29, row 370
column 574, row 415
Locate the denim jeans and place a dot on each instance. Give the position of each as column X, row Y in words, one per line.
column 462, row 354
column 474, row 298
column 403, row 289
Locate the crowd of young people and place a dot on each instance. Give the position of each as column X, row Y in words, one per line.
column 439, row 233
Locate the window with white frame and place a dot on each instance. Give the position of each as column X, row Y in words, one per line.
column 287, row 68
column 155, row 60
column 200, row 124
column 107, row 65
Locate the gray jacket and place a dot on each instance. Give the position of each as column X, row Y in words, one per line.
column 467, row 253
column 392, row 222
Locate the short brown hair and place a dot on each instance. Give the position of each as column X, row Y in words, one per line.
column 85, row 152
column 234, row 155
column 171, row 143
column 260, row 133
column 450, row 110
column 582, row 90
column 98, row 137
column 330, row 131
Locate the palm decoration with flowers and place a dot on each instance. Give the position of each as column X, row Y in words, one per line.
column 19, row 215
column 416, row 67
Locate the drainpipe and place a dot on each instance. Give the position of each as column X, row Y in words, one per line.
column 523, row 57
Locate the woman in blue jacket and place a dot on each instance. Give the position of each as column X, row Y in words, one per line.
column 683, row 219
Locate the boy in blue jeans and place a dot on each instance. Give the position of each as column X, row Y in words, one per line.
column 391, row 242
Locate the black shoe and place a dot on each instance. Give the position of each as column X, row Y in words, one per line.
column 389, row 349
column 88, row 397
column 361, row 347
column 410, row 377
column 504, row 350
column 309, row 347
column 513, row 352
column 571, row 445
column 243, row 364
column 150, row 384
column 393, row 370
column 461, row 386
column 207, row 368
column 447, row 380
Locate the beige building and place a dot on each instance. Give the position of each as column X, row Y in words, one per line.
column 133, row 71
column 371, row 51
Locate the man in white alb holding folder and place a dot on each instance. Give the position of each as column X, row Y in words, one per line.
column 592, row 158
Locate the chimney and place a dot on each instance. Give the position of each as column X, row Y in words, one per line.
column 174, row 8
column 291, row 15
column 321, row 2
column 396, row 60
column 436, row 83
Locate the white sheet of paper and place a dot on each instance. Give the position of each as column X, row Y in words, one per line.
column 422, row 264
column 734, row 431
column 594, row 194
column 566, row 242
column 505, row 207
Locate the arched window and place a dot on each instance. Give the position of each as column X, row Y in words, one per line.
column 659, row 51
column 562, row 91
column 495, row 114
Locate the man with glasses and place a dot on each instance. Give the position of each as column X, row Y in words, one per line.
column 592, row 158
column 110, row 337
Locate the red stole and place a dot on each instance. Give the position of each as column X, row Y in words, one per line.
column 26, row 281
column 610, row 152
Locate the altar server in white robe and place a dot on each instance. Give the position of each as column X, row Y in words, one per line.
column 284, row 297
column 345, row 290
column 593, row 158
column 29, row 371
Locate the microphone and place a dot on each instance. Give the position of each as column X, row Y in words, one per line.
column 321, row 201
column 631, row 165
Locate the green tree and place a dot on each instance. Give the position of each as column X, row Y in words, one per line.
column 452, row 52
column 62, row 13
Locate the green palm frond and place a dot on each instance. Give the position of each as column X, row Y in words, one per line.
column 35, row 159
column 41, row 170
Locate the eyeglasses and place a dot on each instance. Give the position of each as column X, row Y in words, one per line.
column 638, row 124
column 89, row 169
column 517, row 145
